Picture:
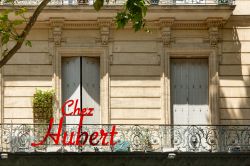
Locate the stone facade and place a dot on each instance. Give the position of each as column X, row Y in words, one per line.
column 135, row 66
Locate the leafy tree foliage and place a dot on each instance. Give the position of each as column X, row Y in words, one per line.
column 133, row 11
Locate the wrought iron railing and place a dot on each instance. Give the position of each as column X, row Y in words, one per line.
column 131, row 138
column 121, row 2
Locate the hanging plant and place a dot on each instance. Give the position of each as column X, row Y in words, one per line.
column 43, row 102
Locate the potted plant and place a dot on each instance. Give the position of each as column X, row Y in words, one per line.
column 43, row 106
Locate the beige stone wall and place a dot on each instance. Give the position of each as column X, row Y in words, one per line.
column 235, row 72
column 235, row 67
column 28, row 70
column 135, row 78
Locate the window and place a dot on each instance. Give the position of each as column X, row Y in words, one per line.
column 189, row 91
column 81, row 80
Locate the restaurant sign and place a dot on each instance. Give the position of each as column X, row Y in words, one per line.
column 78, row 137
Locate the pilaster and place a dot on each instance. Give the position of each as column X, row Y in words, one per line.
column 55, row 41
column 214, row 24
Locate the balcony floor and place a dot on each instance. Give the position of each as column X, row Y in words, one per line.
column 126, row 159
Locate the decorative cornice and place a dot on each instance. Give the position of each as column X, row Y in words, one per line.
column 81, row 25
column 153, row 24
column 107, row 22
column 56, row 25
column 214, row 22
column 196, row 25
column 166, row 22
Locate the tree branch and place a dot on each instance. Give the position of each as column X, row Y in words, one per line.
column 25, row 32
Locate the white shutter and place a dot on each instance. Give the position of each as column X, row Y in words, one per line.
column 189, row 91
column 89, row 71
column 198, row 91
column 71, row 85
column 91, row 88
column 179, row 91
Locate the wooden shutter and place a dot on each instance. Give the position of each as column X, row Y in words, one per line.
column 179, row 91
column 71, row 85
column 189, row 91
column 81, row 80
column 198, row 91
column 91, row 87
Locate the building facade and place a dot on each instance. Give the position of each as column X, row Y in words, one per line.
column 192, row 68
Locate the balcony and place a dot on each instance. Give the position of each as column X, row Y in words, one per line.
column 121, row 2
column 131, row 138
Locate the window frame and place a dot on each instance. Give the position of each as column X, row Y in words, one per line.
column 213, row 91
column 100, row 52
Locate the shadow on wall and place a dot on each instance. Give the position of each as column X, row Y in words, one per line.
column 235, row 73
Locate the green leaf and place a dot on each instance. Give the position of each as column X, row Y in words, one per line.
column 28, row 43
column 135, row 11
column 121, row 19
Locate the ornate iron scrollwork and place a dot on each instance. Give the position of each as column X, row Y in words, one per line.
column 154, row 138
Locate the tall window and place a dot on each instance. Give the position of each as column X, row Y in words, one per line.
column 189, row 91
column 81, row 80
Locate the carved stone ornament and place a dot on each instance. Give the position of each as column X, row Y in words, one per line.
column 56, row 26
column 104, row 25
column 166, row 36
column 165, row 24
column 213, row 36
column 214, row 24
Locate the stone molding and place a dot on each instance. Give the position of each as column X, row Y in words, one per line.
column 153, row 24
column 214, row 22
column 166, row 22
column 81, row 25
